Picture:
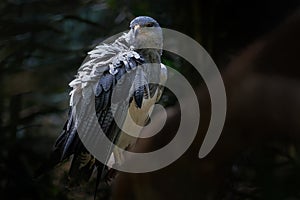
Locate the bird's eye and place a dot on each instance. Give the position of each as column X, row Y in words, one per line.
column 149, row 25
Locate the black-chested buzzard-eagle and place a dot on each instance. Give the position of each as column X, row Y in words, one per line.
column 100, row 75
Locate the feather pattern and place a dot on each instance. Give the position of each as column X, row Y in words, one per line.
column 104, row 67
column 109, row 69
column 140, row 83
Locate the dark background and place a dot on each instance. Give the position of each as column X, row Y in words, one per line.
column 254, row 43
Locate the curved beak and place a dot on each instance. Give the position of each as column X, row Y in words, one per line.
column 136, row 29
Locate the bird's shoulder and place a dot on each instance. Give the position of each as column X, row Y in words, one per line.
column 103, row 65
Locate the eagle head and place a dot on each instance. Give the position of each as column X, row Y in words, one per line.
column 145, row 32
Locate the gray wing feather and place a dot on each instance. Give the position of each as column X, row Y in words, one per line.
column 93, row 87
column 101, row 90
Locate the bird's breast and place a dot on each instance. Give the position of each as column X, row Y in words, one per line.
column 135, row 120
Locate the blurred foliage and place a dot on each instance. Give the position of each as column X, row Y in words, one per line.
column 269, row 172
column 43, row 42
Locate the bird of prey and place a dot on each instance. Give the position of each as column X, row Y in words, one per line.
column 115, row 67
